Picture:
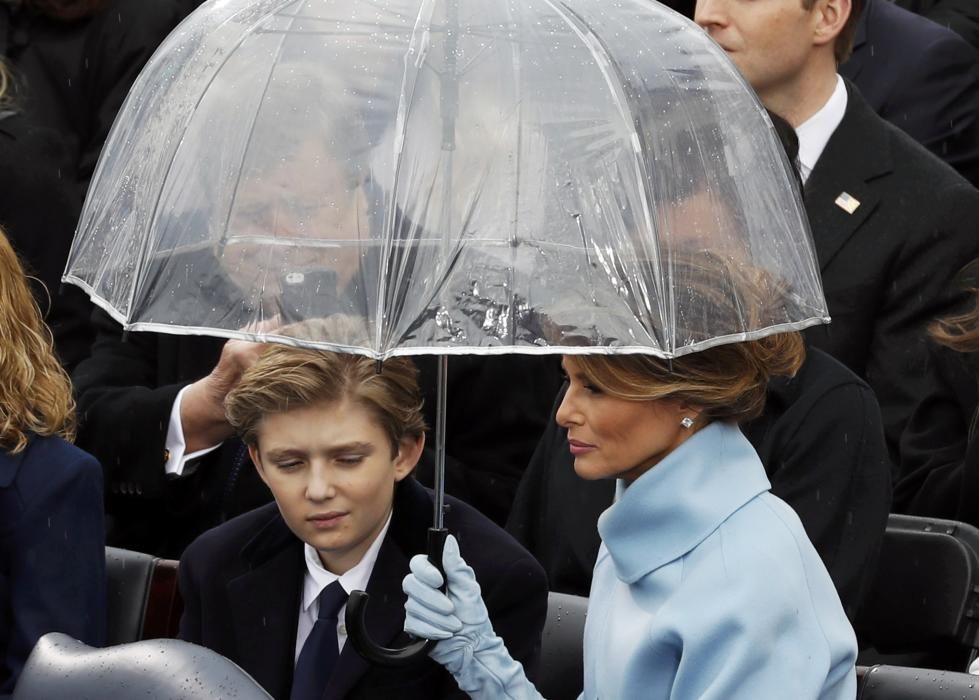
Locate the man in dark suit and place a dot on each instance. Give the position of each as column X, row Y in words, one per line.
column 921, row 77
column 336, row 442
column 891, row 223
column 125, row 392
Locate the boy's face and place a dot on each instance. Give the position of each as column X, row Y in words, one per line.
column 332, row 474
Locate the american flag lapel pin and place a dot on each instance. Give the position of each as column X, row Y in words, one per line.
column 847, row 202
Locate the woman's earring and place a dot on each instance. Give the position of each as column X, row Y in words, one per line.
column 687, row 422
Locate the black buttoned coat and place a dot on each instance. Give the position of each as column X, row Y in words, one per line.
column 242, row 588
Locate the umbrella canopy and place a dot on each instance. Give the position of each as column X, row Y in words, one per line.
column 414, row 176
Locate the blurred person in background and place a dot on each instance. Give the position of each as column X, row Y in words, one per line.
column 921, row 77
column 152, row 404
column 939, row 475
column 77, row 60
column 73, row 62
column 39, row 211
column 961, row 16
column 52, row 557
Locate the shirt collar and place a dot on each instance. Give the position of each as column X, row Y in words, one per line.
column 815, row 132
column 677, row 504
column 317, row 577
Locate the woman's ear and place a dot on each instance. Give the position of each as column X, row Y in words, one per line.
column 409, row 452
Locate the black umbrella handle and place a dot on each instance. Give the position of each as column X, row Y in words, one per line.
column 356, row 618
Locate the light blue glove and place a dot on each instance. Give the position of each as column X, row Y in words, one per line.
column 469, row 648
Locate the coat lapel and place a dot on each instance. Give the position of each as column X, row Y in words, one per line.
column 385, row 618
column 857, row 154
column 265, row 606
column 385, row 610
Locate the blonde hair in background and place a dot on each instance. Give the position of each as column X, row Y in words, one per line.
column 285, row 378
column 960, row 331
column 35, row 392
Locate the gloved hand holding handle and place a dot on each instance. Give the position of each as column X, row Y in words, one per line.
column 468, row 647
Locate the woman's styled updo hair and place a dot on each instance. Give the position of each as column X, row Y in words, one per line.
column 725, row 381
column 285, row 378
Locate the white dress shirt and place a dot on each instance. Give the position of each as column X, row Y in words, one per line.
column 317, row 578
column 175, row 443
column 814, row 133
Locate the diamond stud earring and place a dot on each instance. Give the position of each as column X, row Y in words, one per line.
column 687, row 422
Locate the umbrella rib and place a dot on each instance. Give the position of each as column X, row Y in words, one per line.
column 251, row 128
column 603, row 59
column 140, row 262
column 404, row 110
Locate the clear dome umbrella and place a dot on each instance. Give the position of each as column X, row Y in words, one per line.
column 400, row 177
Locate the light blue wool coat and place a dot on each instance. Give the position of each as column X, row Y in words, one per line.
column 706, row 586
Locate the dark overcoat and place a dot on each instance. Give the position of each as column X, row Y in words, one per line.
column 52, row 556
column 242, row 587
column 939, row 475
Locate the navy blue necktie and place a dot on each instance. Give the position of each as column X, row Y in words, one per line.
column 321, row 650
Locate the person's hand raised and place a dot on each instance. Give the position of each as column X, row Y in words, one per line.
column 202, row 406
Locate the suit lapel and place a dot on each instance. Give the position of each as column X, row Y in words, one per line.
column 385, row 611
column 385, row 618
column 265, row 607
column 856, row 155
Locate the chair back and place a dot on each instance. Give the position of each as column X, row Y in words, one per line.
column 142, row 597
column 61, row 667
column 925, row 597
column 562, row 668
column 904, row 683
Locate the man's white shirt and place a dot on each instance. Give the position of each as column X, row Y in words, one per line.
column 815, row 132
column 175, row 443
column 317, row 578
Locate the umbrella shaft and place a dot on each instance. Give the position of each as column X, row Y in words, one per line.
column 440, row 411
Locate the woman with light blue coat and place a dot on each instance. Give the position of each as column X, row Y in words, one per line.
column 706, row 585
